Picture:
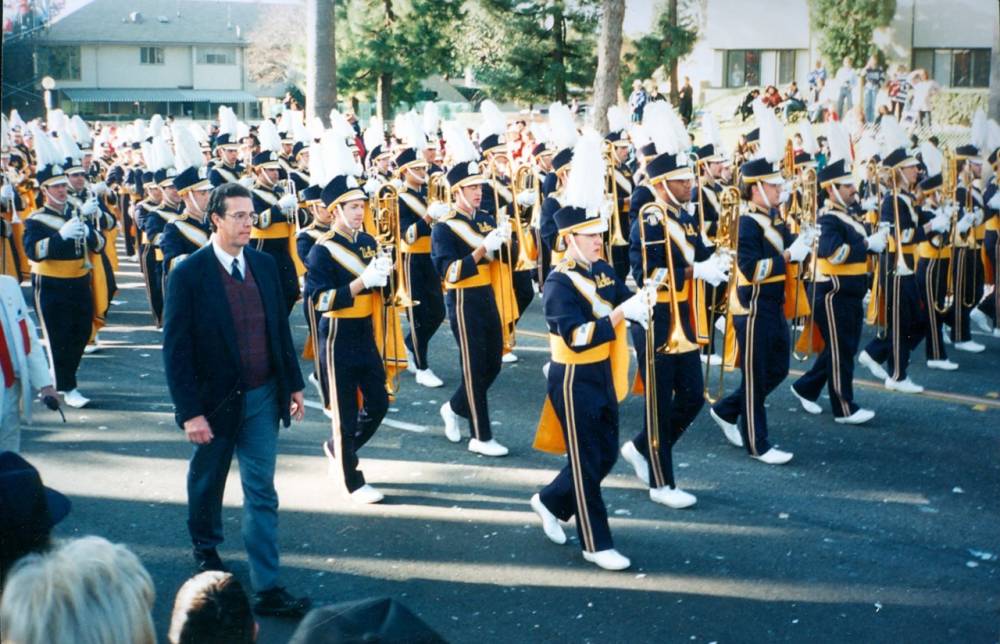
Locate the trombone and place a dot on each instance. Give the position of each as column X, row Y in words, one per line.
column 726, row 240
column 437, row 189
column 292, row 189
column 527, row 249
column 506, row 256
column 615, row 236
column 807, row 220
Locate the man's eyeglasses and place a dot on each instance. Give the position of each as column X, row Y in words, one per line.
column 244, row 217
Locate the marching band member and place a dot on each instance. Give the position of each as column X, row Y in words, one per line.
column 675, row 389
column 934, row 255
column 987, row 314
column 192, row 229
column 12, row 205
column 465, row 246
column 228, row 168
column 765, row 248
column 343, row 271
column 415, row 220
column 563, row 131
column 58, row 243
column 967, row 268
column 841, row 284
column 274, row 230
column 585, row 308
column 155, row 220
column 318, row 228
column 904, row 319
column 618, row 141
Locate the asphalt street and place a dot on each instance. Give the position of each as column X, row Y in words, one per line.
column 886, row 532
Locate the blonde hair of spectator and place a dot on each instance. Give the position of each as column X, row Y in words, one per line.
column 85, row 591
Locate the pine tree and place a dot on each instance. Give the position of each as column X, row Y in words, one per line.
column 845, row 27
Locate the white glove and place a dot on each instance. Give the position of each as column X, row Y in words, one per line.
column 636, row 308
column 978, row 214
column 288, row 204
column 246, row 182
column 869, row 204
column 877, row 240
column 99, row 188
column 966, row 222
column 6, row 193
column 73, row 229
column 396, row 183
column 371, row 186
column 711, row 271
column 494, row 240
column 527, row 198
column 607, row 209
column 376, row 274
column 940, row 223
column 994, row 201
column 437, row 210
column 88, row 208
column 800, row 247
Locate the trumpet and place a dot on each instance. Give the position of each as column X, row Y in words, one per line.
column 615, row 236
column 726, row 240
column 292, row 189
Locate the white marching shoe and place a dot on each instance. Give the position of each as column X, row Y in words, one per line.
column 550, row 523
column 411, row 364
column 943, row 365
column 451, row 430
column 873, row 367
column 545, row 369
column 774, row 456
column 981, row 320
column 609, row 559
column 487, row 448
column 366, row 495
column 970, row 346
column 509, row 358
column 637, row 461
column 92, row 347
column 675, row 498
column 810, row 406
column 903, row 386
column 859, row 417
column 428, row 378
column 75, row 399
column 731, row 430
column 315, row 383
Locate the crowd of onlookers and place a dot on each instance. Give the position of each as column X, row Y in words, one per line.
column 864, row 94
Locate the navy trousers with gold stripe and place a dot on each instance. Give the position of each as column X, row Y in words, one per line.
column 840, row 317
column 932, row 281
column 475, row 323
column 153, row 274
column 350, row 363
column 65, row 310
column 991, row 304
column 679, row 396
column 426, row 317
column 904, row 326
column 765, row 349
column 583, row 398
column 967, row 276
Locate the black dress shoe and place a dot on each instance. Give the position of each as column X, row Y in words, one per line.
column 278, row 602
column 208, row 559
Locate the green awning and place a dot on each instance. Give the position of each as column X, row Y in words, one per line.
column 157, row 95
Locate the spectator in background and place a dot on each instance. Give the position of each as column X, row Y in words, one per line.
column 28, row 511
column 924, row 90
column 86, row 591
column 771, row 97
column 745, row 109
column 815, row 109
column 874, row 76
column 822, row 152
column 686, row 105
column 793, row 100
column 899, row 91
column 817, row 78
column 212, row 607
column 637, row 101
column 845, row 80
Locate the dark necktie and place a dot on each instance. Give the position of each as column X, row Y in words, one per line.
column 237, row 274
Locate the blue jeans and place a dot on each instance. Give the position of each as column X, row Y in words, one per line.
column 256, row 447
column 870, row 93
column 845, row 100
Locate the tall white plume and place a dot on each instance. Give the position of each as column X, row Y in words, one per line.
column 583, row 188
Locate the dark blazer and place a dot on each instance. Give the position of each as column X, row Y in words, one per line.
column 200, row 352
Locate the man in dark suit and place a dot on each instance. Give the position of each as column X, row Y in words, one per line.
column 232, row 372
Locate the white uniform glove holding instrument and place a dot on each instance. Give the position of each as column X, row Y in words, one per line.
column 801, row 246
column 288, row 204
column 713, row 270
column 527, row 198
column 99, row 188
column 437, row 210
column 494, row 240
column 636, row 308
column 878, row 240
column 73, row 229
column 376, row 274
column 89, row 208
column 941, row 222
column 967, row 221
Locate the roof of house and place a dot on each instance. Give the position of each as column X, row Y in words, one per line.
column 158, row 22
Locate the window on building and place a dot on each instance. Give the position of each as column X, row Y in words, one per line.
column 955, row 67
column 216, row 56
column 61, row 63
column 151, row 55
column 742, row 67
column 786, row 66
